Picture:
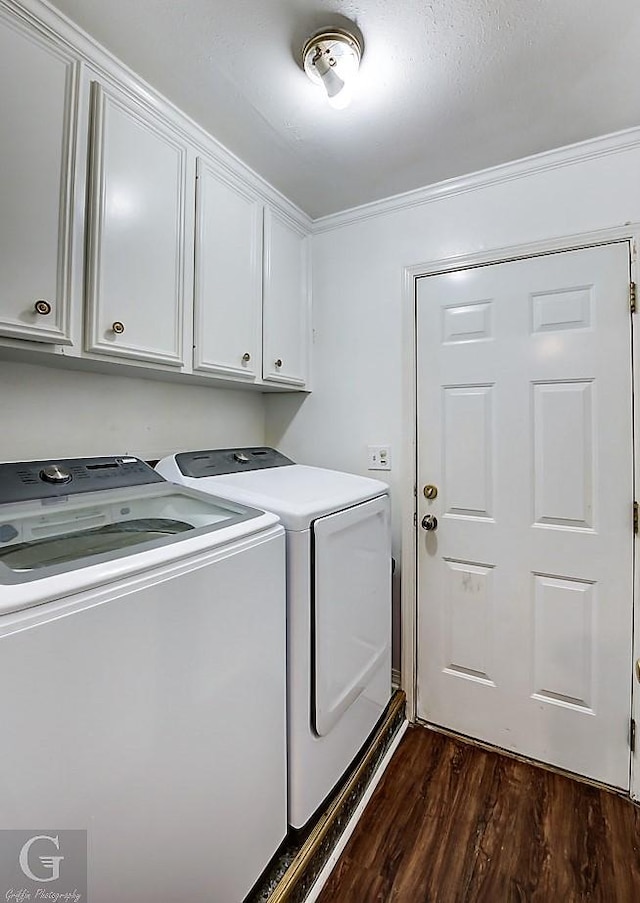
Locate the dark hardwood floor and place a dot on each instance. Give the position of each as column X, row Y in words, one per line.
column 451, row 823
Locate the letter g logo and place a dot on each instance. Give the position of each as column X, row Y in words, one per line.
column 48, row 862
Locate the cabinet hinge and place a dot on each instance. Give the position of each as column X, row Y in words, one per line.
column 632, row 297
column 632, row 735
column 415, row 518
column 635, row 517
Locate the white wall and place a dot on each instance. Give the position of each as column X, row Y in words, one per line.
column 357, row 296
column 50, row 413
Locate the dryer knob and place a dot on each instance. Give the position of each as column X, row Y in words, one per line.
column 55, row 474
column 240, row 457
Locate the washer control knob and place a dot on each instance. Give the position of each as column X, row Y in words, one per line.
column 55, row 474
column 240, row 457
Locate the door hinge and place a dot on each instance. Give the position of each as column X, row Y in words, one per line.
column 632, row 735
column 415, row 518
column 632, row 297
column 635, row 517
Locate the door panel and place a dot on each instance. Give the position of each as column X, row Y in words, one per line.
column 467, row 482
column 525, row 426
column 563, row 481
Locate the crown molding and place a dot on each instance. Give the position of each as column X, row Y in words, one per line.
column 593, row 148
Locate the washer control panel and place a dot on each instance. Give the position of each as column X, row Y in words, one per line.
column 25, row 480
column 218, row 461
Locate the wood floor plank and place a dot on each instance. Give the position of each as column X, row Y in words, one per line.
column 452, row 823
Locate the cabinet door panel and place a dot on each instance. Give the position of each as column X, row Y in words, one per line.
column 136, row 246
column 228, row 286
column 38, row 99
column 285, row 318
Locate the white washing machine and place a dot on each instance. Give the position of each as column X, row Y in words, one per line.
column 142, row 678
column 338, row 602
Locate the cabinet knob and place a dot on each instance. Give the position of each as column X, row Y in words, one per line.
column 246, row 357
column 278, row 363
column 117, row 327
column 42, row 307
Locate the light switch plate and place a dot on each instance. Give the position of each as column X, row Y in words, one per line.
column 379, row 457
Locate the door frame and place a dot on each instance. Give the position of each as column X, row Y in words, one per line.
column 408, row 502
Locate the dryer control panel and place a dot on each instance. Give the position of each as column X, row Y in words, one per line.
column 218, row 461
column 25, row 480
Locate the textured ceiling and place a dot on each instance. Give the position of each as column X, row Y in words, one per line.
column 445, row 88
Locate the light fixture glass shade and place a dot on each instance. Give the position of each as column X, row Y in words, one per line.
column 332, row 58
column 332, row 82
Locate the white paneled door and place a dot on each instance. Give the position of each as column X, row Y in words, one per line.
column 525, row 584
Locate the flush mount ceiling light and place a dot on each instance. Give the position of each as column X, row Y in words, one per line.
column 331, row 58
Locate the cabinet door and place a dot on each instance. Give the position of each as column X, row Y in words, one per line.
column 228, row 278
column 136, row 233
column 286, row 299
column 38, row 99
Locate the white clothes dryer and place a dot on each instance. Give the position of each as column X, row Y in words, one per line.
column 142, row 677
column 338, row 602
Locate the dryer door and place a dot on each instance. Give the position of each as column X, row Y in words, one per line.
column 351, row 611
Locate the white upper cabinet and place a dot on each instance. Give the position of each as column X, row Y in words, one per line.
column 228, row 275
column 136, row 249
column 38, row 91
column 121, row 221
column 286, row 301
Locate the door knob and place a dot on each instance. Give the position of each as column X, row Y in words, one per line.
column 429, row 522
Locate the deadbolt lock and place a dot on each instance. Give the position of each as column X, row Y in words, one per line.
column 430, row 491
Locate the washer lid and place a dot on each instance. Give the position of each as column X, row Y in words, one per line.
column 44, row 537
column 296, row 493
